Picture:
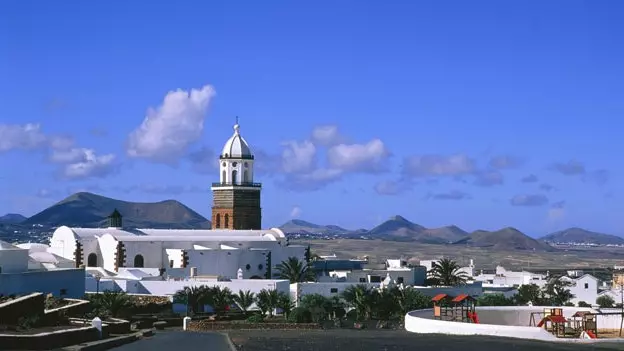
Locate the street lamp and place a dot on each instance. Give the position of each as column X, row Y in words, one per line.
column 97, row 280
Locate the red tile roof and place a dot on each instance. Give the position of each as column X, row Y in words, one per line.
column 439, row 297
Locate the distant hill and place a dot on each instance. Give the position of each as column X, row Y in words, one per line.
column 90, row 210
column 301, row 226
column 504, row 239
column 398, row 228
column 582, row 236
column 12, row 218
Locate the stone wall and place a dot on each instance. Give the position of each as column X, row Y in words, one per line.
column 203, row 325
column 48, row 341
column 31, row 305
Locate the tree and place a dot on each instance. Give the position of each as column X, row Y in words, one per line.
column 446, row 272
column 319, row 306
column 360, row 297
column 409, row 299
column 494, row 300
column 220, row 299
column 605, row 301
column 283, row 302
column 529, row 293
column 384, row 304
column 195, row 298
column 244, row 300
column 113, row 303
column 295, row 271
column 583, row 304
column 557, row 292
column 267, row 301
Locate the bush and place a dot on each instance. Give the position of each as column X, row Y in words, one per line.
column 605, row 301
column 300, row 315
column 583, row 304
column 256, row 318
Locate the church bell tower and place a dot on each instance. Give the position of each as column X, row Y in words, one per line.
column 236, row 198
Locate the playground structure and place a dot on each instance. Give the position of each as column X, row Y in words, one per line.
column 460, row 308
column 582, row 323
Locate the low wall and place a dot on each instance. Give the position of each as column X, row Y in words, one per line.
column 24, row 306
column 204, row 325
column 48, row 341
column 508, row 321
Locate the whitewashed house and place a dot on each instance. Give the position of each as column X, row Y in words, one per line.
column 23, row 271
column 584, row 288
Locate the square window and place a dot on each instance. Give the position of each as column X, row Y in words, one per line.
column 586, row 285
column 362, row 280
column 333, row 290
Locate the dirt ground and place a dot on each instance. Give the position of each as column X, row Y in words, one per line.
column 484, row 258
column 389, row 340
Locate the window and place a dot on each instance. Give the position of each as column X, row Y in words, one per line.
column 234, row 164
column 234, row 174
column 218, row 221
column 362, row 280
column 138, row 261
column 223, row 164
column 400, row 280
column 260, row 266
column 375, row 279
column 170, row 263
column 586, row 285
column 333, row 290
column 246, row 164
column 248, row 267
column 246, row 176
column 223, row 176
column 227, row 220
column 92, row 260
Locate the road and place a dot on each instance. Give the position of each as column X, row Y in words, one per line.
column 179, row 340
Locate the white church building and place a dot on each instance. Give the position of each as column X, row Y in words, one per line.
column 236, row 240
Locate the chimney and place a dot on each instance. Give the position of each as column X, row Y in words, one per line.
column 239, row 274
column 193, row 272
column 115, row 220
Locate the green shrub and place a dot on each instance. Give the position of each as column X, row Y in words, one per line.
column 583, row 304
column 255, row 318
column 300, row 315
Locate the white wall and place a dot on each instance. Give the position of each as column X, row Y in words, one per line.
column 53, row 281
column 585, row 289
column 170, row 287
column 329, row 289
column 227, row 262
column 13, row 260
column 152, row 251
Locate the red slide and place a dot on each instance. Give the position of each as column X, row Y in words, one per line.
column 473, row 317
column 591, row 334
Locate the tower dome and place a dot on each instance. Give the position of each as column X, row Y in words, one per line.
column 236, row 146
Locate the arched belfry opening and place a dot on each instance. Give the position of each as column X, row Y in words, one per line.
column 92, row 260
column 236, row 197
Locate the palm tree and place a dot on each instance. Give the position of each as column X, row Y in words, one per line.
column 284, row 303
column 195, row 297
column 409, row 299
column 111, row 302
column 244, row 300
column 267, row 301
column 221, row 299
column 295, row 271
column 446, row 272
column 360, row 297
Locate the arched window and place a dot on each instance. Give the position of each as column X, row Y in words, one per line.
column 92, row 260
column 227, row 220
column 234, row 174
column 218, row 221
column 138, row 261
column 246, row 177
column 223, row 175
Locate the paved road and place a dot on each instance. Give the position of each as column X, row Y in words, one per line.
column 179, row 340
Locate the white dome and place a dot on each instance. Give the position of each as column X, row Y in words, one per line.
column 236, row 146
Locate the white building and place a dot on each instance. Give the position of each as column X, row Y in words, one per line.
column 27, row 269
column 234, row 242
column 584, row 288
column 506, row 278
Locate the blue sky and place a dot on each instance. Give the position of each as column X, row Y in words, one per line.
column 357, row 110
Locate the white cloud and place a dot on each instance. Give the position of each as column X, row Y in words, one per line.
column 439, row 165
column 369, row 157
column 295, row 212
column 80, row 163
column 168, row 130
column 327, row 135
column 21, row 137
column 298, row 157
